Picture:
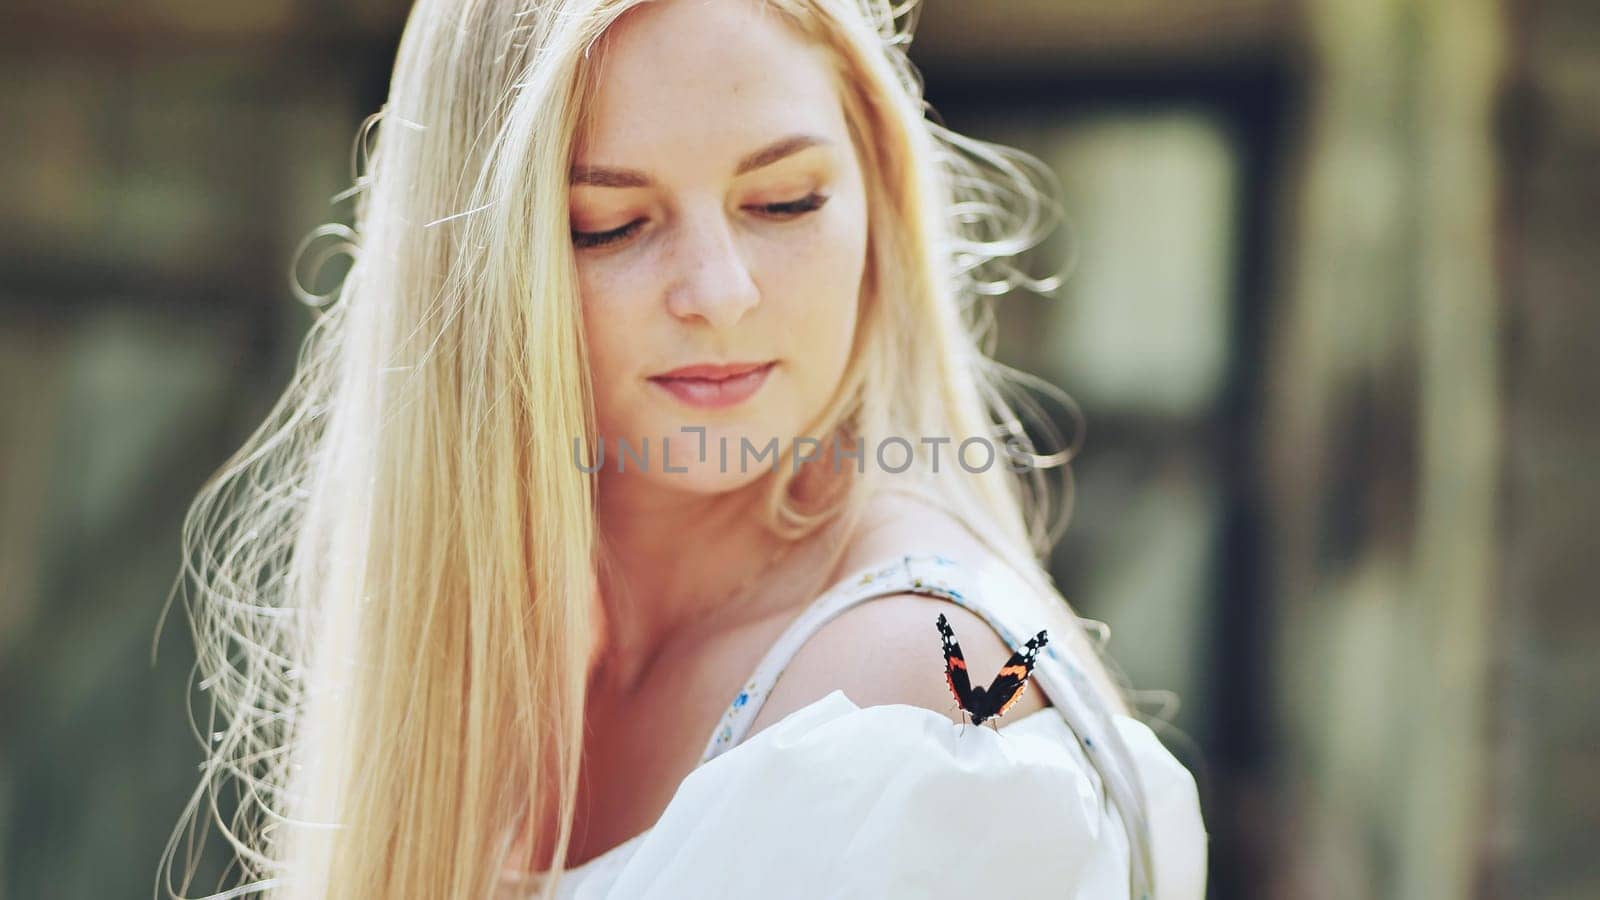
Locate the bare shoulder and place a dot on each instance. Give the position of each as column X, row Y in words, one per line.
column 887, row 650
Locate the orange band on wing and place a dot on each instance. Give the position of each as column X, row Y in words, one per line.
column 1013, row 701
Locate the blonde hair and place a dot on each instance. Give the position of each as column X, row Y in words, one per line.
column 394, row 576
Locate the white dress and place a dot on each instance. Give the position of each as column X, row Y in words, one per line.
column 841, row 801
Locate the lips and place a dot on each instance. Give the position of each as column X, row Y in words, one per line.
column 714, row 372
column 713, row 386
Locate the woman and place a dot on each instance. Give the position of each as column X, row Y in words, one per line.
column 474, row 599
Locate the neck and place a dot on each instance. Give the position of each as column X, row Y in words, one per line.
column 674, row 564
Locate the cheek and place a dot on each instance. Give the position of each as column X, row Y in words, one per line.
column 606, row 333
column 819, row 266
column 821, row 274
column 610, row 318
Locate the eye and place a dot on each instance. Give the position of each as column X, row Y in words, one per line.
column 808, row 203
column 788, row 209
column 601, row 238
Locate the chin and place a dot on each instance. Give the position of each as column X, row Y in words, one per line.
column 724, row 446
column 708, row 479
column 672, row 460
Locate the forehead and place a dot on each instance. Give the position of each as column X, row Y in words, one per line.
column 704, row 79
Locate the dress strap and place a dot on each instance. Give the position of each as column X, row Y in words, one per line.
column 895, row 575
column 1058, row 676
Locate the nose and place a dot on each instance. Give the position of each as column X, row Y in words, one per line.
column 711, row 280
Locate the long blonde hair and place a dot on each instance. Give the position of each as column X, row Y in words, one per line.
column 393, row 579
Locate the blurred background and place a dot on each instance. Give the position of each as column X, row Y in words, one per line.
column 1333, row 294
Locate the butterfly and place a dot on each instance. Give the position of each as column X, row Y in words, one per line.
column 1003, row 692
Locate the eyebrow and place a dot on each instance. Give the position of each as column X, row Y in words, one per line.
column 605, row 176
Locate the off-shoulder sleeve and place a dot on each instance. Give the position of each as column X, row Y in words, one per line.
column 841, row 801
column 1178, row 837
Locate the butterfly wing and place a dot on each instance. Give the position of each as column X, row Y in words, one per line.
column 1009, row 685
column 955, row 666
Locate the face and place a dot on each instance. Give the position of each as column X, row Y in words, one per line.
column 718, row 217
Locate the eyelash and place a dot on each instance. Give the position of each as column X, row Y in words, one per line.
column 809, row 203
